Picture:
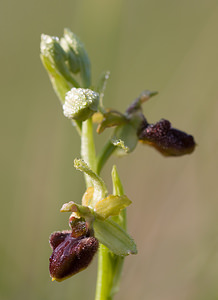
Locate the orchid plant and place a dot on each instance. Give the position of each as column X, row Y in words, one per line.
column 98, row 224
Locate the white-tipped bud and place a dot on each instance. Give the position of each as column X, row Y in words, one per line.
column 80, row 104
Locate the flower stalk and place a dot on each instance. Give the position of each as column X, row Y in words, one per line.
column 88, row 148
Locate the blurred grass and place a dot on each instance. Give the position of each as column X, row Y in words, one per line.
column 169, row 46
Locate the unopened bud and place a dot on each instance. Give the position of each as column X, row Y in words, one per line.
column 51, row 49
column 72, row 56
column 54, row 60
column 78, row 48
column 80, row 104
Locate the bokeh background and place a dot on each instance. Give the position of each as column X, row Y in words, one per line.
column 170, row 46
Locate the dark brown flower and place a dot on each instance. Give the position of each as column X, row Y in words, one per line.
column 70, row 254
column 167, row 140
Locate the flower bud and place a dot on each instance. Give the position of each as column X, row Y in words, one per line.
column 78, row 48
column 54, row 60
column 51, row 48
column 55, row 56
column 80, row 104
column 167, row 140
column 72, row 56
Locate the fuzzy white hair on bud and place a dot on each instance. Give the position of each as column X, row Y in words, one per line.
column 80, row 104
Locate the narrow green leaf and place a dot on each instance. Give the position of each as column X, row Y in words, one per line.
column 114, row 237
column 117, row 185
column 118, row 190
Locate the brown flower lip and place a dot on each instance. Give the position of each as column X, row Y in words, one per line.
column 70, row 255
column 166, row 139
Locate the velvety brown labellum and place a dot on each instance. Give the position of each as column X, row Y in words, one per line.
column 70, row 255
column 169, row 141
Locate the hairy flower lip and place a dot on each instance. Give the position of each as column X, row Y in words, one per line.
column 70, row 255
column 166, row 139
column 58, row 237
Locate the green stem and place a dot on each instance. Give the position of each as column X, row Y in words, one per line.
column 104, row 279
column 88, row 148
column 104, row 155
column 109, row 274
column 110, row 265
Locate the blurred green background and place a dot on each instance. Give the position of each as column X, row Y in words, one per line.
column 170, row 46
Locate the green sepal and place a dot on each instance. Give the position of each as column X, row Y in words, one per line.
column 111, row 206
column 100, row 190
column 114, row 237
column 125, row 137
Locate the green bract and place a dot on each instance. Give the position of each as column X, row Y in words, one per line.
column 80, row 104
column 110, row 234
